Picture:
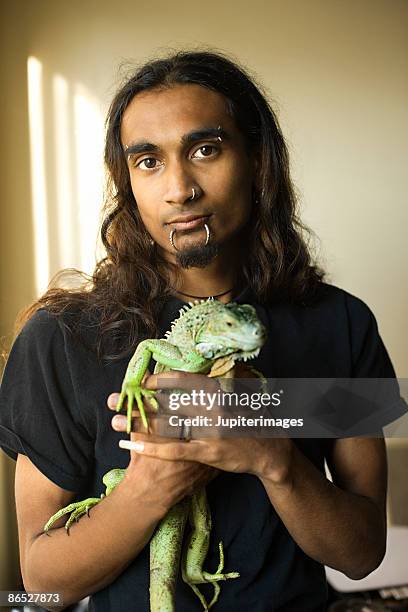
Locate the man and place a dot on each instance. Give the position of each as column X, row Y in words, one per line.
column 202, row 206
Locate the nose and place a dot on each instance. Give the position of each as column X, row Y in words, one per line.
column 179, row 188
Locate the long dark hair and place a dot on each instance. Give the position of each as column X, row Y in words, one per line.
column 128, row 286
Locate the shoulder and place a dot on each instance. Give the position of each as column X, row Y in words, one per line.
column 331, row 295
column 41, row 329
column 332, row 301
column 41, row 321
column 330, row 312
column 48, row 337
column 351, row 322
column 45, row 326
column 341, row 316
column 338, row 327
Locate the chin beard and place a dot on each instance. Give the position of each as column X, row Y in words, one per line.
column 197, row 256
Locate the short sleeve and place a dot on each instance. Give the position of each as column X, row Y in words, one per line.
column 39, row 416
column 370, row 360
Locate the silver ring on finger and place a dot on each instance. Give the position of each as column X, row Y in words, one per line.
column 185, row 433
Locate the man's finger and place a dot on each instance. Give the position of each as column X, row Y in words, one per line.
column 181, row 380
column 119, row 423
column 170, row 451
column 113, row 399
column 146, row 375
column 157, row 426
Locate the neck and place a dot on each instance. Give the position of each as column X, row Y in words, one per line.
column 221, row 275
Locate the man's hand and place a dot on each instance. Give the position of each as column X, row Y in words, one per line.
column 160, row 482
column 263, row 457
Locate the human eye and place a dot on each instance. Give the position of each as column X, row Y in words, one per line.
column 207, row 150
column 150, row 163
column 147, row 163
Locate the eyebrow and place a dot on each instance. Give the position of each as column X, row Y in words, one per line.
column 191, row 137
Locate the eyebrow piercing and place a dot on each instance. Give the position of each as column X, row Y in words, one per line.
column 219, row 137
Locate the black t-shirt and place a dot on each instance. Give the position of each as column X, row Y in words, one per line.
column 53, row 409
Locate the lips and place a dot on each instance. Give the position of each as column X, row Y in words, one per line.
column 188, row 221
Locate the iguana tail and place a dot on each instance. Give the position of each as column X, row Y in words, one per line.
column 165, row 552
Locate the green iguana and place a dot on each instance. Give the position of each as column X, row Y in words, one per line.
column 207, row 338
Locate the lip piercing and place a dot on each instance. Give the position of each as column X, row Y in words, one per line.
column 173, row 231
column 207, row 231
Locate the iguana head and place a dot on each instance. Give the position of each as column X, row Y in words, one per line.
column 219, row 329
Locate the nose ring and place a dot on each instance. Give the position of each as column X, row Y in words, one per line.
column 193, row 196
column 173, row 231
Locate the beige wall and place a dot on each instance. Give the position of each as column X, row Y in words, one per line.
column 336, row 70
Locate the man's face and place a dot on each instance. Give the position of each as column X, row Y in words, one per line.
column 167, row 157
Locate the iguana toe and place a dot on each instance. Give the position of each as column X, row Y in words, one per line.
column 132, row 392
column 76, row 510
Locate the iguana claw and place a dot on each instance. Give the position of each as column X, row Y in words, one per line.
column 77, row 509
column 133, row 392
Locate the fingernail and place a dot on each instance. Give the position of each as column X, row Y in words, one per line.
column 136, row 446
column 113, row 400
column 119, row 422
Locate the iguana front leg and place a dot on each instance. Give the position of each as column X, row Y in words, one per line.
column 165, row 354
column 196, row 551
column 78, row 509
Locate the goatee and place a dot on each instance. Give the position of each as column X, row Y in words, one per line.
column 197, row 256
